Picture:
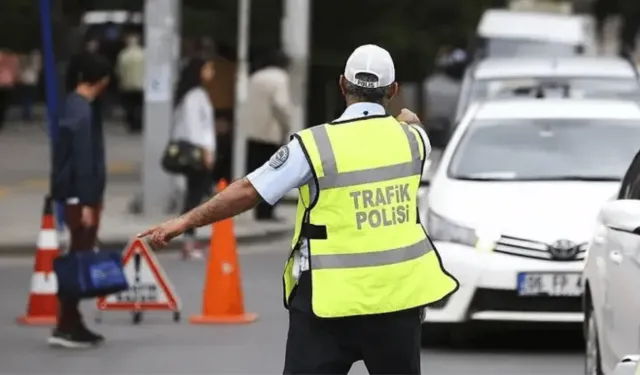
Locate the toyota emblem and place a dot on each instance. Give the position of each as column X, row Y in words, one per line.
column 563, row 250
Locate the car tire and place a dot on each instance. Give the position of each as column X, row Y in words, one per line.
column 593, row 361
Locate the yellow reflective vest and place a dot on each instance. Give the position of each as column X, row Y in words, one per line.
column 368, row 252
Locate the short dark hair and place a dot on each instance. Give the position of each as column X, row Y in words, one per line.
column 92, row 69
column 373, row 95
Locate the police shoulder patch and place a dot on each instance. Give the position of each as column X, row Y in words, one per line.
column 279, row 158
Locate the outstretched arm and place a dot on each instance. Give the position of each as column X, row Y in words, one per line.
column 239, row 197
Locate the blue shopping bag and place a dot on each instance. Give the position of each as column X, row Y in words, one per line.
column 90, row 274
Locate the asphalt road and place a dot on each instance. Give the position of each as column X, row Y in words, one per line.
column 159, row 346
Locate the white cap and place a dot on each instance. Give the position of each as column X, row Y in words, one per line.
column 373, row 60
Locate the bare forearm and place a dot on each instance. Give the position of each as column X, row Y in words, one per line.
column 239, row 197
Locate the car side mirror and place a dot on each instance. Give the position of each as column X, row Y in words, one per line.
column 623, row 214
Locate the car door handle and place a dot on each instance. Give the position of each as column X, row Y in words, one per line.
column 616, row 257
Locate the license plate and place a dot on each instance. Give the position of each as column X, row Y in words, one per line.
column 553, row 284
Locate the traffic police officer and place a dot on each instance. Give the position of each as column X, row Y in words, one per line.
column 361, row 268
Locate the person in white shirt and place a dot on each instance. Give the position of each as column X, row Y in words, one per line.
column 267, row 128
column 130, row 71
column 194, row 123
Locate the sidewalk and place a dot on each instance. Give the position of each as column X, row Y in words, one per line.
column 21, row 214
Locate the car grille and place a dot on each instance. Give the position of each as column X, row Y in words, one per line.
column 531, row 249
column 509, row 300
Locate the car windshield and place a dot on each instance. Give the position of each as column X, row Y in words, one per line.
column 503, row 47
column 596, row 87
column 520, row 150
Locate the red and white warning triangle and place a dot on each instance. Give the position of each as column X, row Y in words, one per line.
column 149, row 286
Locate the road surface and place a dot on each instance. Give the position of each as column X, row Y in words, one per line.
column 159, row 346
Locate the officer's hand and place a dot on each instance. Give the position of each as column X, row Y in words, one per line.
column 159, row 236
column 408, row 116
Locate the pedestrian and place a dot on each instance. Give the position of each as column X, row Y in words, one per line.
column 79, row 178
column 30, row 66
column 441, row 92
column 130, row 72
column 358, row 235
column 267, row 127
column 194, row 123
column 9, row 67
column 72, row 75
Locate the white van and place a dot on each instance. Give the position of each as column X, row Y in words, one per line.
column 505, row 33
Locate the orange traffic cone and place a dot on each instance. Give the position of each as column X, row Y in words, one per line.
column 42, row 308
column 222, row 301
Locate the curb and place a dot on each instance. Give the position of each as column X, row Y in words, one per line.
column 120, row 243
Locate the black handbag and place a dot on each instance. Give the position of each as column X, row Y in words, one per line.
column 182, row 157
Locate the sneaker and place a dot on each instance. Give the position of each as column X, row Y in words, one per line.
column 96, row 337
column 80, row 339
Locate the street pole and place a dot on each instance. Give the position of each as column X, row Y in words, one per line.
column 51, row 87
column 295, row 38
column 161, row 20
column 295, row 41
column 241, row 89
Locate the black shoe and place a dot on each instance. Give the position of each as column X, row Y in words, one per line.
column 96, row 337
column 79, row 339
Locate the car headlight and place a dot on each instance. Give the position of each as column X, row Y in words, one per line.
column 441, row 229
